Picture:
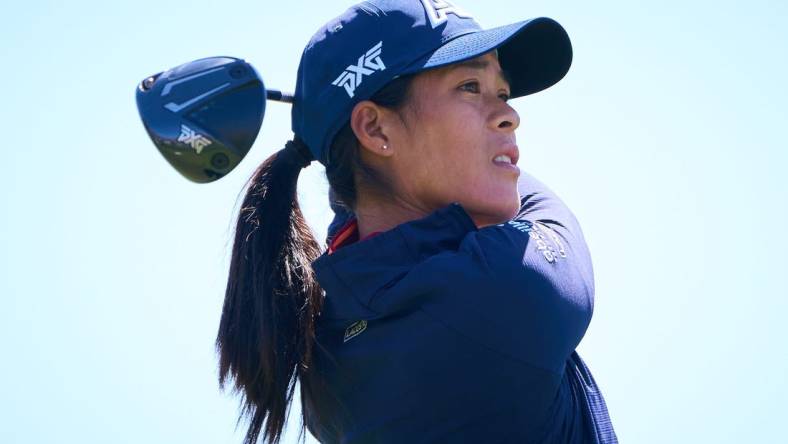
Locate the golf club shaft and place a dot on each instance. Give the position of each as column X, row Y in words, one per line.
column 279, row 96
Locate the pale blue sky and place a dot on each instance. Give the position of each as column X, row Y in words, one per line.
column 666, row 139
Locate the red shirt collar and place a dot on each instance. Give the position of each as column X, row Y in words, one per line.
column 347, row 235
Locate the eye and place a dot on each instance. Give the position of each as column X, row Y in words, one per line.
column 471, row 87
column 475, row 87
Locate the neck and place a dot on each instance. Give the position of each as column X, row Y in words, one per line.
column 384, row 214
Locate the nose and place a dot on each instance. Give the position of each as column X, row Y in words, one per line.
column 504, row 118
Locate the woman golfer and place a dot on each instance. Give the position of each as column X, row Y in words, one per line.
column 454, row 288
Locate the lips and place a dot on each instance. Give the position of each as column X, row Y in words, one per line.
column 510, row 150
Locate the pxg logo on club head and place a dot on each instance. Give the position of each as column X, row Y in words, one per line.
column 204, row 115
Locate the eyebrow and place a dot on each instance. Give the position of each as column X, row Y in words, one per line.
column 482, row 64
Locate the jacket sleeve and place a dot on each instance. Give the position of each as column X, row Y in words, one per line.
column 523, row 288
column 555, row 225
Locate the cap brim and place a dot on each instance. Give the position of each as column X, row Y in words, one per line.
column 535, row 53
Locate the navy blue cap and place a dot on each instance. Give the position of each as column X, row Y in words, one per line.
column 354, row 55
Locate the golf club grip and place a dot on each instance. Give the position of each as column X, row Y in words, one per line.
column 279, row 96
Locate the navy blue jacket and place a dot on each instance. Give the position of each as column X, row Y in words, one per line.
column 437, row 331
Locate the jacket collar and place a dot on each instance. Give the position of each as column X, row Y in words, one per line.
column 354, row 274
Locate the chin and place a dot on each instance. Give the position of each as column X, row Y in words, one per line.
column 510, row 211
column 493, row 213
column 508, row 207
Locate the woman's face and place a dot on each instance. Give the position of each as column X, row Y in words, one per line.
column 457, row 123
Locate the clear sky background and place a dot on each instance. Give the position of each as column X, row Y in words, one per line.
column 666, row 139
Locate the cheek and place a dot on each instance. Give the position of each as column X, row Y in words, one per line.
column 449, row 161
column 450, row 145
column 430, row 136
column 454, row 137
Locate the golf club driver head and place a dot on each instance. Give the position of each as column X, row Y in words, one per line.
column 204, row 115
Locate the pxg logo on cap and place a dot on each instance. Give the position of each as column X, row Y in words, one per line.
column 370, row 62
column 367, row 64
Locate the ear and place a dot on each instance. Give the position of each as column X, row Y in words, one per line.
column 370, row 124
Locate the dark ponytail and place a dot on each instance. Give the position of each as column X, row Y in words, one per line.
column 266, row 332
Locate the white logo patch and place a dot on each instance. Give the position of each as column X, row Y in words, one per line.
column 367, row 65
column 437, row 11
column 354, row 330
column 194, row 139
column 540, row 234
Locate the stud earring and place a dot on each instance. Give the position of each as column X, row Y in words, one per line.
column 385, row 147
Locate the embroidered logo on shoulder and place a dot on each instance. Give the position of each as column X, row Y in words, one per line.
column 547, row 241
column 354, row 330
column 438, row 10
column 550, row 251
column 367, row 64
